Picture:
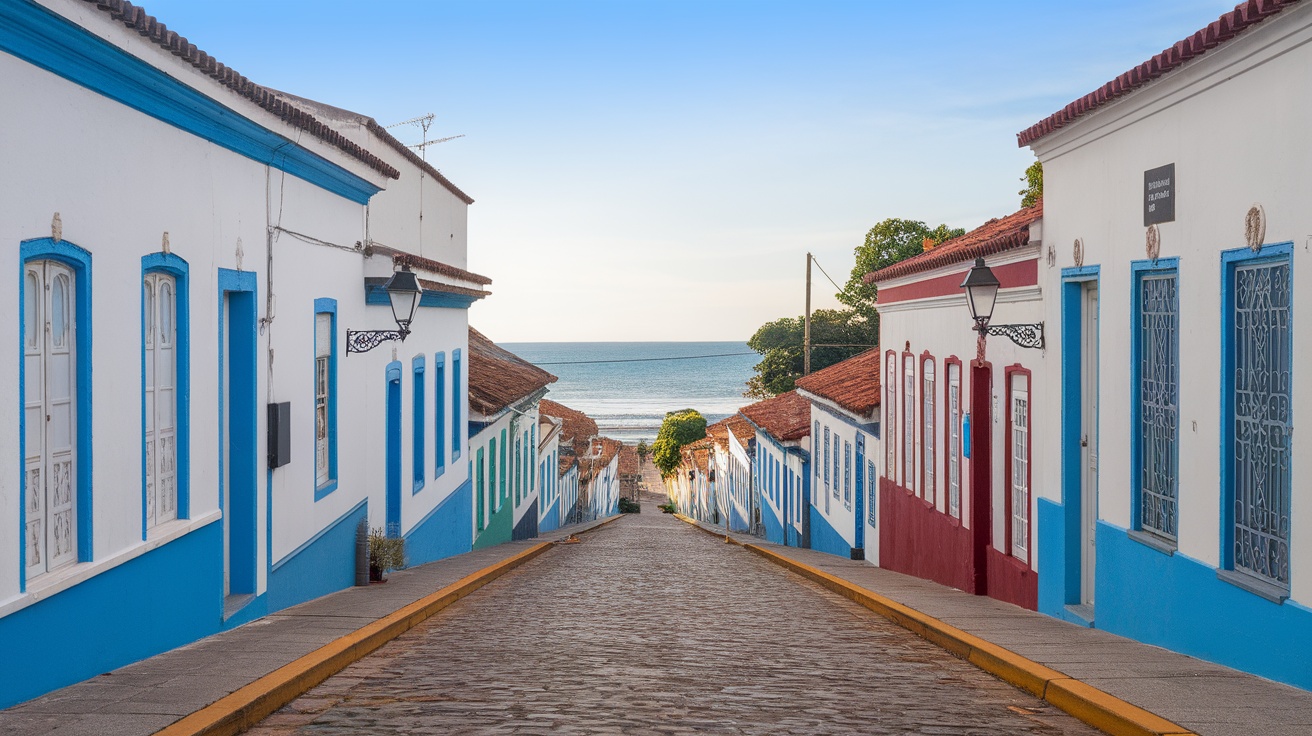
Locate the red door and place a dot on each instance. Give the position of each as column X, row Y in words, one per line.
column 981, row 471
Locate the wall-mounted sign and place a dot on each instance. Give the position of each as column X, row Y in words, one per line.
column 1159, row 195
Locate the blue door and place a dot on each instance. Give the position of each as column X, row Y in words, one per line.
column 393, row 500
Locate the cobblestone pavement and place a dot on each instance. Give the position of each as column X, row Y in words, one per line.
column 652, row 626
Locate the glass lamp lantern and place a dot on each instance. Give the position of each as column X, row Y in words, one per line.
column 981, row 293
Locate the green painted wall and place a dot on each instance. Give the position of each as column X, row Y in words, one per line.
column 498, row 528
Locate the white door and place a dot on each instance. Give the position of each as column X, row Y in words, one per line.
column 159, row 292
column 50, row 419
column 1089, row 444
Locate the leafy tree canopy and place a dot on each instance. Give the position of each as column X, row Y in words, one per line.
column 780, row 345
column 886, row 243
column 679, row 428
column 1033, row 191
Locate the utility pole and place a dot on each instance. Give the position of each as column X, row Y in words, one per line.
column 806, row 333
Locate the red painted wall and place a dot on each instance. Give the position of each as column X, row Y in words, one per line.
column 916, row 539
column 1011, row 581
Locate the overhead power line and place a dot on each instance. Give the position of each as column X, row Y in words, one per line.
column 822, row 270
column 642, row 360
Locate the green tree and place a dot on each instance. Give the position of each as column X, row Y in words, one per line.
column 679, row 428
column 780, row 345
column 886, row 243
column 643, row 451
column 1033, row 191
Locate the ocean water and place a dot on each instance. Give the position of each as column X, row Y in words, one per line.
column 629, row 399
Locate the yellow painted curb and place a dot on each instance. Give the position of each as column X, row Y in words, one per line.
column 697, row 525
column 242, row 709
column 1087, row 703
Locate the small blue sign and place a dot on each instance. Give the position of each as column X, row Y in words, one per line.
column 965, row 436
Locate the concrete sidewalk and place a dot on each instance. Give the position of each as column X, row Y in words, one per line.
column 1204, row 698
column 152, row 694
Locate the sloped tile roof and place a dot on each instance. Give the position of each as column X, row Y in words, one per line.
column 1244, row 16
column 590, row 465
column 741, row 428
column 136, row 18
column 785, row 417
column 498, row 377
column 852, row 384
column 994, row 236
column 567, row 462
column 428, row 264
column 577, row 429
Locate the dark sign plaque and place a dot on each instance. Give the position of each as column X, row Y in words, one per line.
column 1159, row 195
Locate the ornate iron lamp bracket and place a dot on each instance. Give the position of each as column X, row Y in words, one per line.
column 1026, row 336
column 362, row 341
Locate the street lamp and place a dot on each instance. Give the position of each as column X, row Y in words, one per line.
column 981, row 295
column 403, row 293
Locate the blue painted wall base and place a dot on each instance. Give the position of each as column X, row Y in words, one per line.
column 446, row 531
column 1177, row 602
column 321, row 566
column 1059, row 580
column 550, row 520
column 163, row 599
column 774, row 530
column 824, row 538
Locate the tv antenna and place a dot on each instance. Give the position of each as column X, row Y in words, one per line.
column 424, row 122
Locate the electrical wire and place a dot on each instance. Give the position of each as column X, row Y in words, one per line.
column 642, row 360
column 822, row 270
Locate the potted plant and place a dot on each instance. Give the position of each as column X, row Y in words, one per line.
column 385, row 553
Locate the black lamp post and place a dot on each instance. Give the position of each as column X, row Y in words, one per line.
column 404, row 293
column 981, row 295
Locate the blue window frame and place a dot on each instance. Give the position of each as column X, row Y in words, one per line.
column 457, row 396
column 826, row 463
column 1155, row 403
column 503, row 493
column 419, row 421
column 870, row 491
column 79, row 261
column 439, row 414
column 172, row 265
column 325, row 397
column 1256, row 417
column 847, row 474
column 482, row 492
column 836, row 466
column 815, row 456
column 492, row 472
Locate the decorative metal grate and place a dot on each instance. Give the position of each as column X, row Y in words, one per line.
column 1159, row 404
column 872, row 499
column 1262, row 374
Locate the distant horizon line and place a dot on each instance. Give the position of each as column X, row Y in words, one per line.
column 617, row 342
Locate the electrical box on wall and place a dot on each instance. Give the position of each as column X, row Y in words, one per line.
column 280, row 434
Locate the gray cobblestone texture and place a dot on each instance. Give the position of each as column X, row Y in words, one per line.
column 652, row 626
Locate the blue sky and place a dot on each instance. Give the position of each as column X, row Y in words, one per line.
column 656, row 170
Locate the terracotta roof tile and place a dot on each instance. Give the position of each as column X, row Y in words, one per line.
column 786, row 417
column 852, row 384
column 577, row 429
column 136, row 18
column 994, row 236
column 719, row 432
column 1244, row 16
column 428, row 264
column 592, row 463
column 498, row 377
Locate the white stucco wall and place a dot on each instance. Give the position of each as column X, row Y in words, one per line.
column 1236, row 133
column 941, row 326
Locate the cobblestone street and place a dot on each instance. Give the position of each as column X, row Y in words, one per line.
column 652, row 626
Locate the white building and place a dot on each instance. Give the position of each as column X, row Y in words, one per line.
column 207, row 259
column 957, row 493
column 504, row 391
column 781, row 467
column 844, row 401
column 1177, row 231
